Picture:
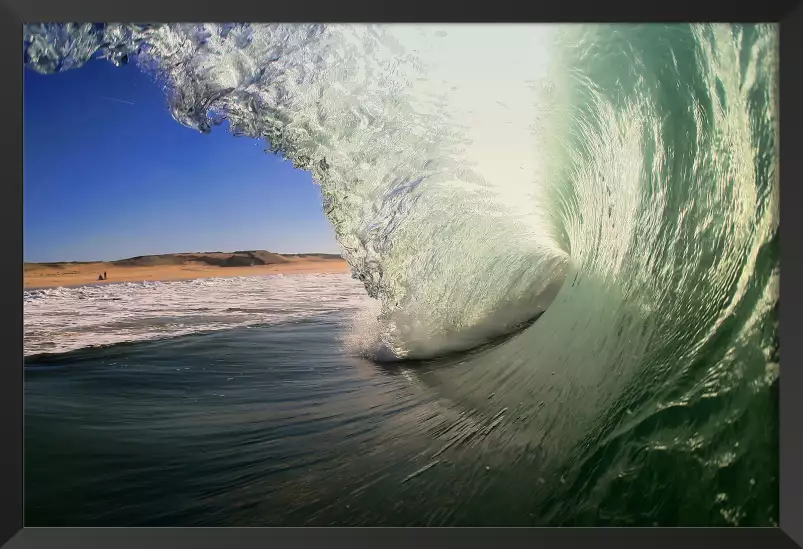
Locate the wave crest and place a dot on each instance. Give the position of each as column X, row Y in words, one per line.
column 466, row 171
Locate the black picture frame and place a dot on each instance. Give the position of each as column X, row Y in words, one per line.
column 13, row 13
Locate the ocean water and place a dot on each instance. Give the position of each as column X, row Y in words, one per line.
column 563, row 310
column 63, row 319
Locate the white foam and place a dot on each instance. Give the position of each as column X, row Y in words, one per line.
column 64, row 319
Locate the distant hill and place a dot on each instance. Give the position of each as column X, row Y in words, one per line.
column 242, row 258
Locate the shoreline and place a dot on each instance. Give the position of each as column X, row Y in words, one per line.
column 44, row 277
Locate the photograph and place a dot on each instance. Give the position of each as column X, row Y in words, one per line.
column 400, row 274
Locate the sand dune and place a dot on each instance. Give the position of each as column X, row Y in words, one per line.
column 183, row 266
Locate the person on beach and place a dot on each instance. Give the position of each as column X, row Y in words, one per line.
column 104, row 276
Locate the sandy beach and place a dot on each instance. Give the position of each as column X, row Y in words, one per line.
column 39, row 275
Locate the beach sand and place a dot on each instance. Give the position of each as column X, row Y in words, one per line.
column 74, row 274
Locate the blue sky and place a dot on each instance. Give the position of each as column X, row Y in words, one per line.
column 109, row 174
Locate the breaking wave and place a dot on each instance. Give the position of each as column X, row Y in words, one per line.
column 617, row 182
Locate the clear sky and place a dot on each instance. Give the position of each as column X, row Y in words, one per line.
column 109, row 174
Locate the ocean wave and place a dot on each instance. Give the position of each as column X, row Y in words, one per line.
column 619, row 182
column 465, row 170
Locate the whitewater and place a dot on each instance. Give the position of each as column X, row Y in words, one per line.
column 60, row 320
column 575, row 224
